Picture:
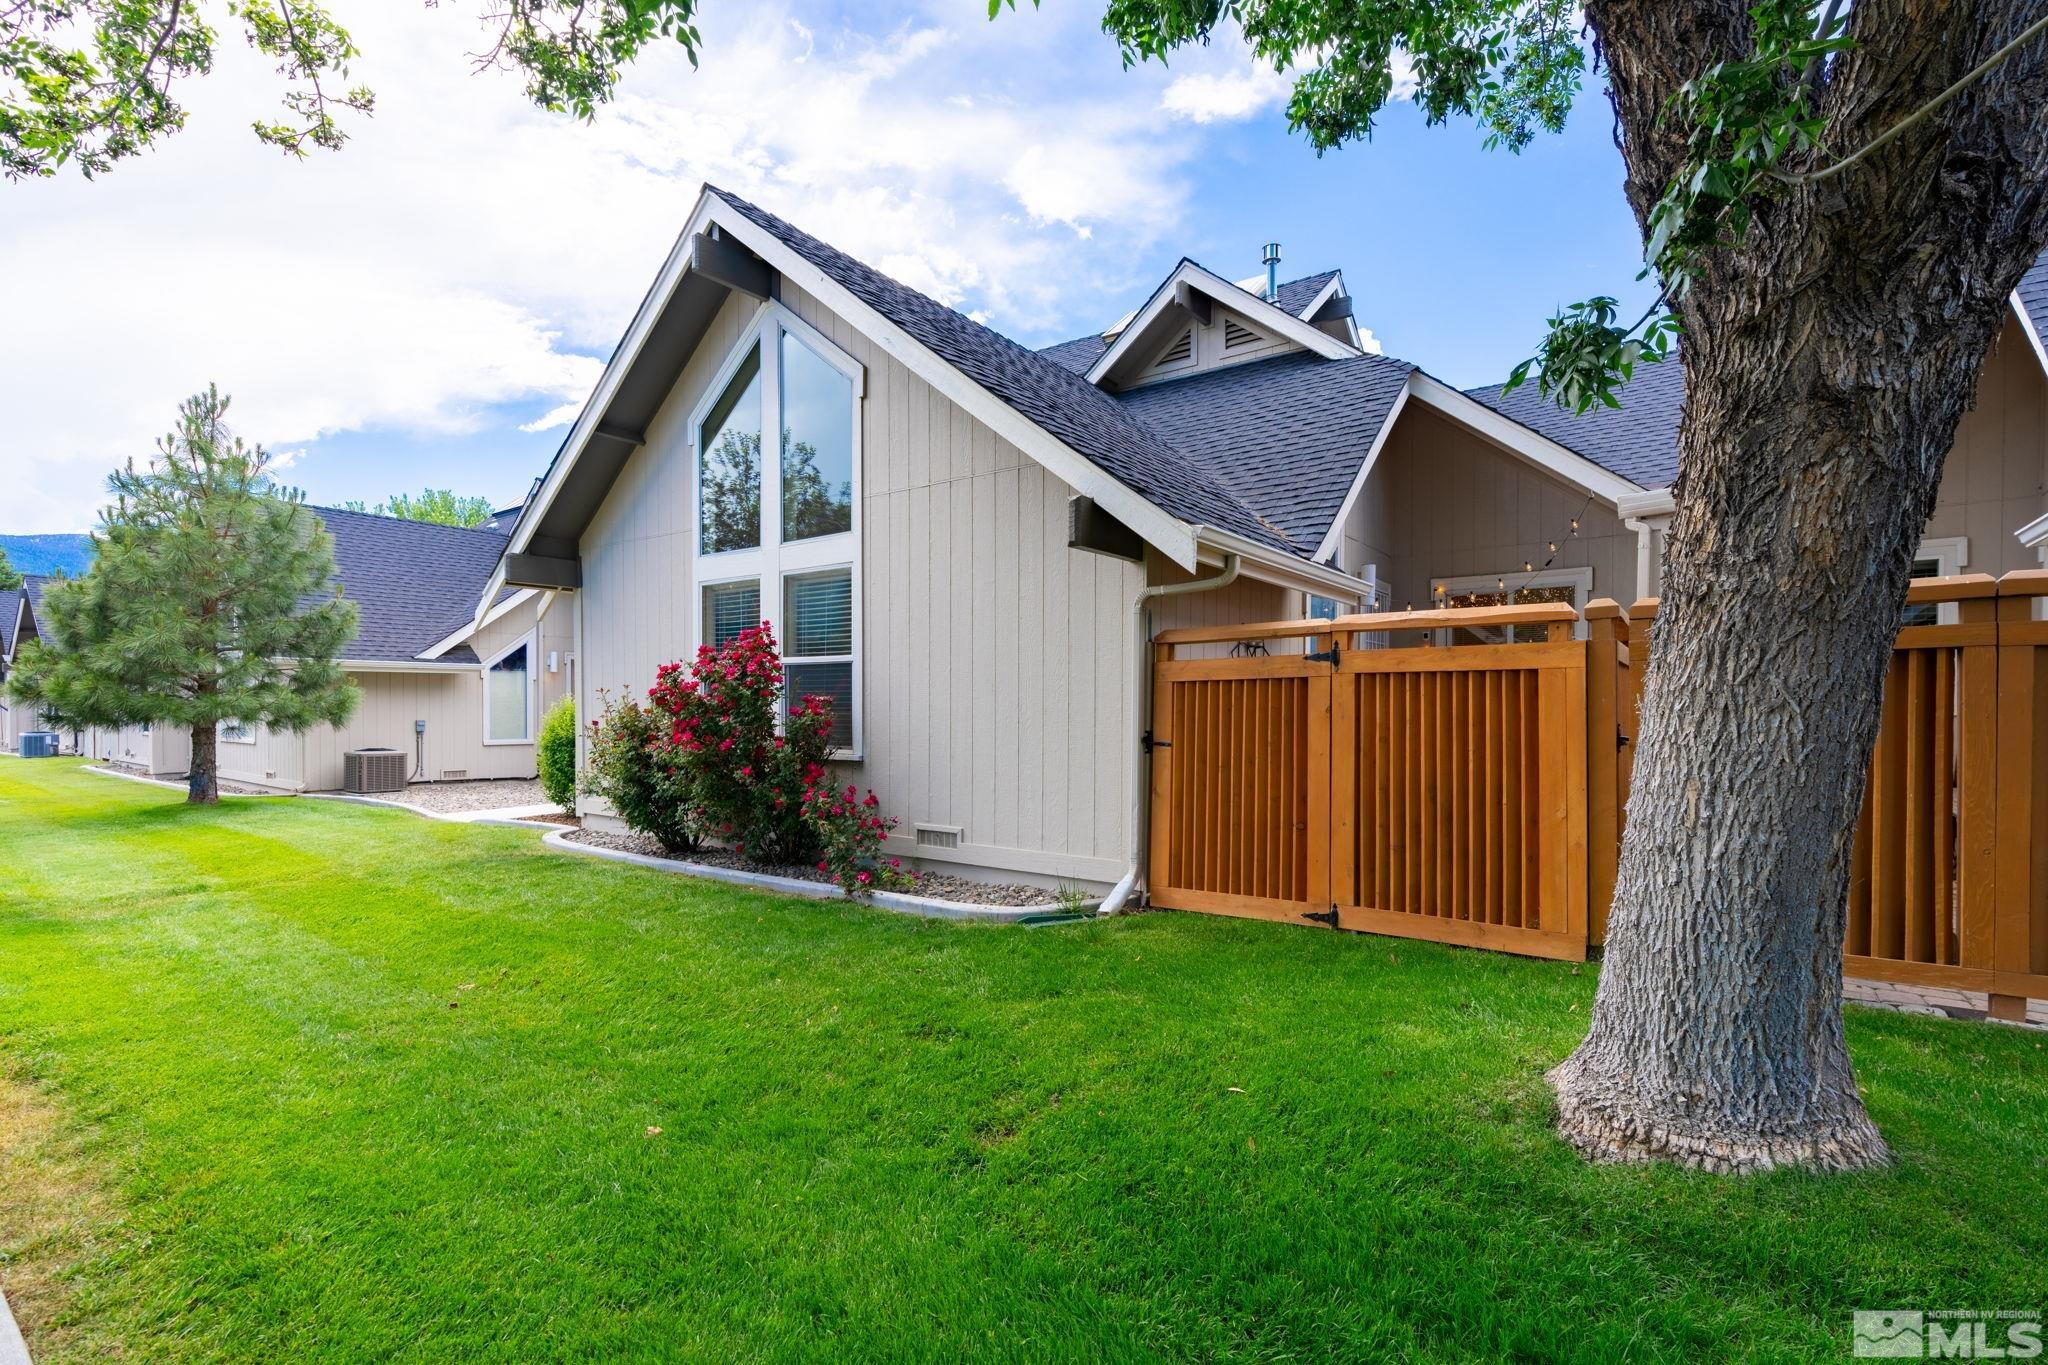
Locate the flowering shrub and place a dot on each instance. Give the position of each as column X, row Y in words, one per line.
column 744, row 782
column 850, row 835
column 630, row 772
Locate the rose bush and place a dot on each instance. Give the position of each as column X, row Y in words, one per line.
column 630, row 771
column 850, row 832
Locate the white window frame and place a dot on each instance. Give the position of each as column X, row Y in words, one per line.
column 1579, row 580
column 221, row 735
column 773, row 560
column 1951, row 555
column 532, row 642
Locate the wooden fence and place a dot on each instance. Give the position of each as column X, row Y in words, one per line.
column 1428, row 792
column 1477, row 793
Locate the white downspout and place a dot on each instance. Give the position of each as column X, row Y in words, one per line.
column 1141, row 712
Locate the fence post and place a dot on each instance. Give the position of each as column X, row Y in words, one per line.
column 1607, row 630
column 2019, row 915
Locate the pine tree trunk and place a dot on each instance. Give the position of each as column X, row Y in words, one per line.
column 202, row 783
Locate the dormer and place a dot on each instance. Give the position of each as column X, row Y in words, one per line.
column 1197, row 321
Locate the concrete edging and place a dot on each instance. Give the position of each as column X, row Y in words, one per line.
column 13, row 1350
column 1029, row 916
column 485, row 817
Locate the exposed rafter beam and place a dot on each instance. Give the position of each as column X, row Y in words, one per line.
column 1335, row 308
column 542, row 571
column 726, row 262
column 1191, row 301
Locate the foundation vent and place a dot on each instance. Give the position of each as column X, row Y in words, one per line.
column 454, row 774
column 938, row 836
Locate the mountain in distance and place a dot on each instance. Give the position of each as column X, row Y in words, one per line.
column 65, row 554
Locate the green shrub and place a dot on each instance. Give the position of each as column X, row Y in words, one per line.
column 634, row 775
column 557, row 757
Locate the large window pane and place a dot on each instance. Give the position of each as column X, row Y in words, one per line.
column 729, row 464
column 817, row 610
column 834, row 680
column 730, row 608
column 817, row 445
column 506, row 696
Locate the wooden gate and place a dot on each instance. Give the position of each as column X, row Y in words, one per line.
column 1432, row 791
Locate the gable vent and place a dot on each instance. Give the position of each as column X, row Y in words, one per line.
column 1181, row 350
column 938, row 836
column 1236, row 334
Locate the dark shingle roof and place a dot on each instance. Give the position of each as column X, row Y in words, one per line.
column 10, row 613
column 2033, row 292
column 1287, row 435
column 1638, row 440
column 1083, row 417
column 413, row 582
column 1296, row 295
column 33, row 584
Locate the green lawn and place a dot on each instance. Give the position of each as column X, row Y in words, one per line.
column 300, row 1079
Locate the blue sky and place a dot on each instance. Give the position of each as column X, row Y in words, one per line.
column 428, row 306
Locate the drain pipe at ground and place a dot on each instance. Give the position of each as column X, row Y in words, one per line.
column 1141, row 712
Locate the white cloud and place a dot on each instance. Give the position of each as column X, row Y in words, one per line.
column 466, row 252
column 1231, row 96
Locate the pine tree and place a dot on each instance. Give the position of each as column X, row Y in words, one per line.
column 8, row 577
column 212, row 598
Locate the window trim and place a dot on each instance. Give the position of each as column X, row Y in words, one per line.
column 531, row 639
column 1580, row 580
column 774, row 559
column 1951, row 555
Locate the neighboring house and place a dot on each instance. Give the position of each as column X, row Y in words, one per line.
column 1991, row 512
column 459, row 687
column 18, row 625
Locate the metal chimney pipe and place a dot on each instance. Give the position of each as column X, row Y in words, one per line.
column 1272, row 259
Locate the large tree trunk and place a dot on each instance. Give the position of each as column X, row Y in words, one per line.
column 1828, row 361
column 202, row 783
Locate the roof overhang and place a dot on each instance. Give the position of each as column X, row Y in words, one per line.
column 2034, row 534
column 1274, row 566
column 482, row 619
column 672, row 319
column 2019, row 310
column 1655, row 502
column 1187, row 277
column 402, row 666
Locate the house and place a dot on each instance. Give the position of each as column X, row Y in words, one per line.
column 454, row 679
column 18, row 617
column 1990, row 514
column 968, row 543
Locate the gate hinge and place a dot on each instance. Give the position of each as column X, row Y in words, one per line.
column 1326, row 656
column 1328, row 916
column 1148, row 743
column 1621, row 741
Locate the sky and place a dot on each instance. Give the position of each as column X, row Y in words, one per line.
column 429, row 306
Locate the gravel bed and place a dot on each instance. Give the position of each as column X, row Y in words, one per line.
column 937, row 885
column 446, row 798
column 178, row 780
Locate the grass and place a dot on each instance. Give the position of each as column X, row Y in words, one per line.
column 295, row 1079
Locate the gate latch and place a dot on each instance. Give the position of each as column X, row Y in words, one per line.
column 1328, row 916
column 1148, row 743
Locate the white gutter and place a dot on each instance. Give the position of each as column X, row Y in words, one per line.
column 1285, row 569
column 1142, row 715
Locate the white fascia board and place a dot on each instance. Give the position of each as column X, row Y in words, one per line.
column 1171, row 536
column 463, row 632
column 1329, row 291
column 1657, row 502
column 1268, row 315
column 401, row 666
column 1333, row 539
column 1532, row 446
column 2019, row 310
column 1277, row 566
column 2034, row 534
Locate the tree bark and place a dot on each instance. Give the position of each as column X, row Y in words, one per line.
column 202, row 783
column 1828, row 362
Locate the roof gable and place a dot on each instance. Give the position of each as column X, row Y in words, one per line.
column 10, row 616
column 1166, row 312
